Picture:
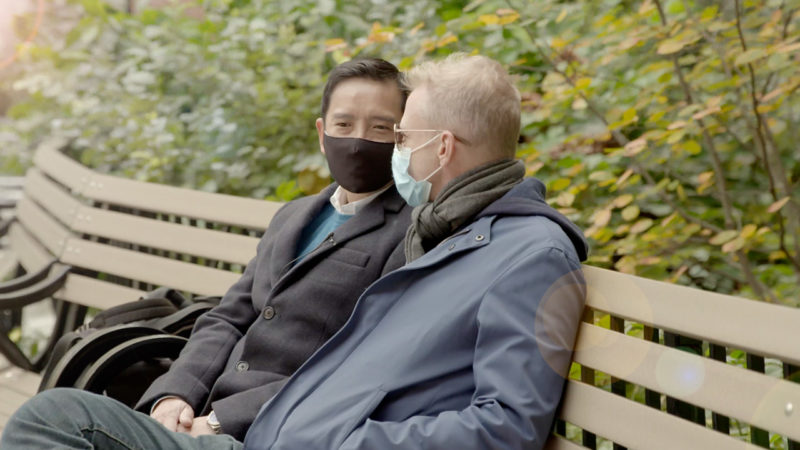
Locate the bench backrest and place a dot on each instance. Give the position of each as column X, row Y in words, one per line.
column 123, row 237
column 662, row 366
column 10, row 192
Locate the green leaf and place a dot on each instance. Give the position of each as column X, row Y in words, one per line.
column 709, row 13
column 775, row 207
column 623, row 200
column 750, row 56
column 641, row 226
column 733, row 245
column 692, row 147
column 675, row 7
column 584, row 83
column 630, row 213
column 629, row 115
column 724, row 237
column 560, row 184
column 670, row 46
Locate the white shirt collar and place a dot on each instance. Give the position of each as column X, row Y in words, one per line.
column 339, row 201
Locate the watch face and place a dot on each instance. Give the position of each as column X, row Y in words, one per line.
column 212, row 421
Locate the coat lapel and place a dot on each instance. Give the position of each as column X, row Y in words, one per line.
column 474, row 235
column 285, row 243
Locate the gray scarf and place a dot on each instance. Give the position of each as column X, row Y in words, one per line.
column 459, row 201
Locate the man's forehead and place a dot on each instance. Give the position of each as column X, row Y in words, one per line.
column 414, row 106
column 345, row 114
column 359, row 97
column 365, row 86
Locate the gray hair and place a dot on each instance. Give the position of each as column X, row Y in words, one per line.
column 473, row 97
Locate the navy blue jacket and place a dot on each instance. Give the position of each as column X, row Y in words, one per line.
column 466, row 347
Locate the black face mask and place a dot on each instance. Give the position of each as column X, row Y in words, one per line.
column 359, row 165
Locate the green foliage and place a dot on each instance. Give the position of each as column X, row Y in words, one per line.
column 222, row 103
column 667, row 129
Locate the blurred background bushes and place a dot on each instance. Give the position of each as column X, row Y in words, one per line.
column 667, row 129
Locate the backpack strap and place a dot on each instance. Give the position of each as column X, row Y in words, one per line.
column 125, row 371
column 182, row 321
column 144, row 309
column 64, row 369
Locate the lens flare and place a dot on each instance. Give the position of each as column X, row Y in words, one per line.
column 29, row 38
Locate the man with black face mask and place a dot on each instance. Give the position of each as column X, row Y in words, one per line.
column 315, row 259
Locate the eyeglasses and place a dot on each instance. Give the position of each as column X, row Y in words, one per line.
column 400, row 134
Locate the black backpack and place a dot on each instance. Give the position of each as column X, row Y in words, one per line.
column 123, row 349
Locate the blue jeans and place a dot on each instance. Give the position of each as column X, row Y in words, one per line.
column 74, row 419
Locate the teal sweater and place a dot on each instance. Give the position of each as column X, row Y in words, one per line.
column 315, row 232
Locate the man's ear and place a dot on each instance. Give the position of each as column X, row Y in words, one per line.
column 447, row 148
column 320, row 133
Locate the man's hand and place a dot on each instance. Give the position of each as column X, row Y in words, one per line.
column 200, row 427
column 175, row 414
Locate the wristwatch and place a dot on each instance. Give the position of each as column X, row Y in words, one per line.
column 213, row 423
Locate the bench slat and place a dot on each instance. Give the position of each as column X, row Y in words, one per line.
column 61, row 168
column 8, row 264
column 246, row 212
column 701, row 381
column 19, row 380
column 752, row 326
column 11, row 183
column 95, row 293
column 634, row 425
column 47, row 230
column 219, row 208
column 559, row 443
column 52, row 197
column 180, row 238
column 163, row 235
column 16, row 386
column 148, row 268
column 11, row 400
column 30, row 253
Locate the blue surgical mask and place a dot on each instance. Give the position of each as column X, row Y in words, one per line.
column 414, row 192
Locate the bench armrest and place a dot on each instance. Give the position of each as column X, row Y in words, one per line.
column 33, row 292
column 26, row 280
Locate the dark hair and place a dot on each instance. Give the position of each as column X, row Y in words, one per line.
column 371, row 68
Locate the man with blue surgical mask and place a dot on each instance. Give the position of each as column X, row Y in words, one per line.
column 415, row 192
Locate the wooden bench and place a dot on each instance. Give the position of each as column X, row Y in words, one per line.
column 89, row 240
column 662, row 366
column 655, row 365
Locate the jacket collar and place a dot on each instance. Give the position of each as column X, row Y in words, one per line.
column 373, row 215
column 474, row 235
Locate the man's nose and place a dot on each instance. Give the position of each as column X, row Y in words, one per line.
column 361, row 130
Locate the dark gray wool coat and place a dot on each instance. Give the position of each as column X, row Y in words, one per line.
column 278, row 314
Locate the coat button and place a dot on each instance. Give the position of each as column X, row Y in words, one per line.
column 242, row 366
column 452, row 246
column 269, row 312
column 479, row 237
